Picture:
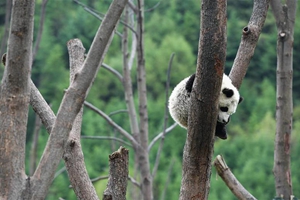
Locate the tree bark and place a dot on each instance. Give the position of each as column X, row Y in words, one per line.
column 142, row 151
column 232, row 183
column 250, row 36
column 14, row 100
column 118, row 175
column 285, row 20
column 198, row 149
column 72, row 102
column 73, row 155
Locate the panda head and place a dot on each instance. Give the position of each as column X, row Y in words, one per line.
column 228, row 100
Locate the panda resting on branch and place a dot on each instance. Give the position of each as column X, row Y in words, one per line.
column 179, row 103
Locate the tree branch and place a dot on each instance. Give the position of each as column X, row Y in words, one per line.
column 34, row 145
column 107, row 138
column 232, row 183
column 198, row 149
column 112, row 123
column 166, row 115
column 73, row 155
column 169, row 129
column 73, row 100
column 41, row 107
column 248, row 42
column 113, row 71
column 118, row 175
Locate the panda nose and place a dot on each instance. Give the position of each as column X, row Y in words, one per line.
column 224, row 121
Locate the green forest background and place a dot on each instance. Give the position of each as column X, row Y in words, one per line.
column 173, row 26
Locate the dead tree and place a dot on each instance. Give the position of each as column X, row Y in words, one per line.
column 285, row 15
column 198, row 149
column 16, row 91
column 199, row 144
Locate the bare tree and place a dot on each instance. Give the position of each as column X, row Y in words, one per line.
column 198, row 149
column 199, row 145
column 285, row 15
column 15, row 95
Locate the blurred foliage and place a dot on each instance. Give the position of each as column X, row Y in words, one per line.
column 170, row 27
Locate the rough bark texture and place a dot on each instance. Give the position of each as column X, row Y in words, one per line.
column 142, row 151
column 248, row 42
column 285, row 19
column 14, row 100
column 73, row 155
column 198, row 149
column 118, row 175
column 41, row 107
column 72, row 102
column 232, row 183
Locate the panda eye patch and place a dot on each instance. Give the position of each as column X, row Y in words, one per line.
column 224, row 109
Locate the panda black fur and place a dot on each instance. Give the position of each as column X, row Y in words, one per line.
column 179, row 103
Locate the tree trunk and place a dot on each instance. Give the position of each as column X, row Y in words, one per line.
column 118, row 175
column 142, row 151
column 14, row 100
column 198, row 149
column 285, row 19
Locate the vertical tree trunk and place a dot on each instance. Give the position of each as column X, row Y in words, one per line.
column 285, row 19
column 198, row 149
column 118, row 175
column 142, row 151
column 14, row 100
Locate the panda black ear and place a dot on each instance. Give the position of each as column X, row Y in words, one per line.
column 189, row 83
column 227, row 92
column 241, row 99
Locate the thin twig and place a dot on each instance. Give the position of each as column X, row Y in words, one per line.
column 40, row 31
column 112, row 123
column 94, row 13
column 113, row 71
column 134, row 182
column 160, row 135
column 117, row 112
column 166, row 115
column 168, row 178
column 106, row 138
column 34, row 145
column 99, row 178
column 63, row 169
column 154, row 7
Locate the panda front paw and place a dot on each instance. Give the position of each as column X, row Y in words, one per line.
column 221, row 131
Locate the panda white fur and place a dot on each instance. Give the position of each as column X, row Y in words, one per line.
column 179, row 103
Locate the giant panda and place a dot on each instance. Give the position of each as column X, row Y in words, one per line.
column 179, row 103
